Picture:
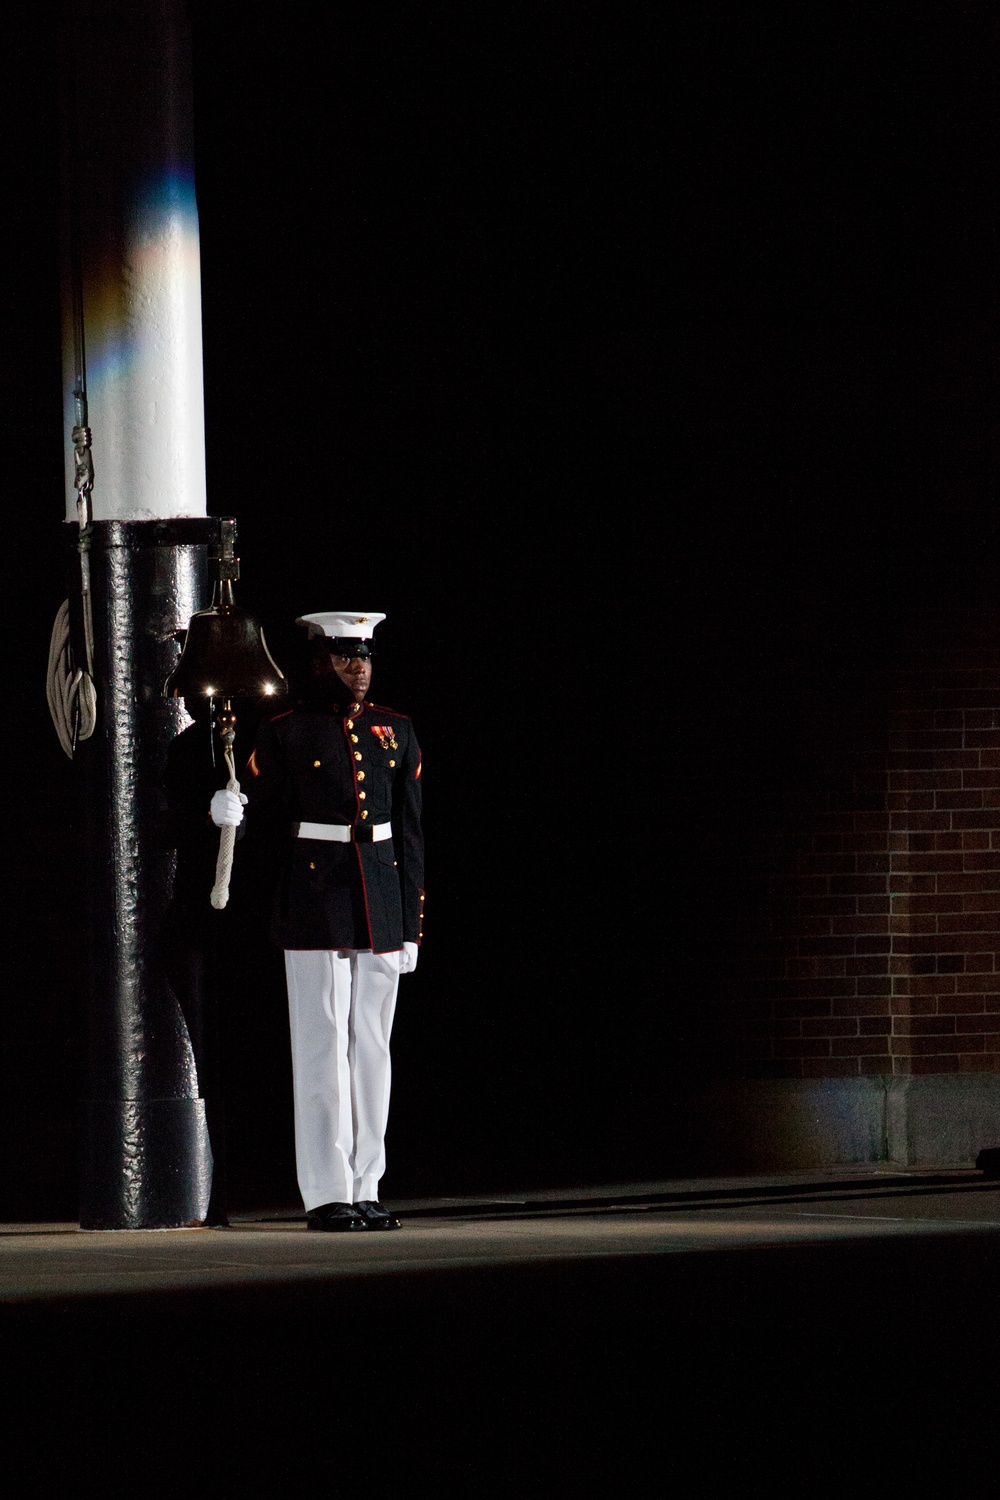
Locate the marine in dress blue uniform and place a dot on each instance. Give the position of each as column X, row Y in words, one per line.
column 344, row 775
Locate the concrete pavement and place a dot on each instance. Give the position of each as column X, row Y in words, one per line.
column 612, row 1223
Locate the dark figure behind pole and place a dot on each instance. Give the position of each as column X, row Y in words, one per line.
column 197, row 941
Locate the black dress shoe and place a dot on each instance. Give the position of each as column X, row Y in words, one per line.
column 333, row 1218
column 375, row 1216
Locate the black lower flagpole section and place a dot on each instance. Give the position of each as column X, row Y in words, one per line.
column 146, row 1161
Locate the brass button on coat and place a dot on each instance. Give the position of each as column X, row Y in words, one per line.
column 357, row 755
column 361, row 775
column 315, row 762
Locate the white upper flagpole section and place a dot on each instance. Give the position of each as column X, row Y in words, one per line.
column 132, row 296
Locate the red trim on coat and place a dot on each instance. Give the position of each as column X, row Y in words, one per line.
column 364, row 893
column 361, row 869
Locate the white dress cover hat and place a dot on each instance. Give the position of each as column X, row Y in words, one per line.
column 352, row 625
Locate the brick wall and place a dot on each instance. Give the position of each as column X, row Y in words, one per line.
column 875, row 948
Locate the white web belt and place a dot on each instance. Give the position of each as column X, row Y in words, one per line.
column 345, row 833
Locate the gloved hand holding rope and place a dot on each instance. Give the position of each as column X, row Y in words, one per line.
column 227, row 812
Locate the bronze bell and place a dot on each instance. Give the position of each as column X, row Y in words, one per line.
column 225, row 654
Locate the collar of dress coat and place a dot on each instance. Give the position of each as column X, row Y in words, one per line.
column 336, row 704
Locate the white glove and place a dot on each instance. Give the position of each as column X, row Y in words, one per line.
column 408, row 958
column 227, row 809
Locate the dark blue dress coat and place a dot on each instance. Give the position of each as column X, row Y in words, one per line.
column 356, row 765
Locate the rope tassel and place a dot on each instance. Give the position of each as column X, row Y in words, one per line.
column 227, row 844
column 227, row 834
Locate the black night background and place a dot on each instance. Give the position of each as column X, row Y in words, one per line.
column 644, row 372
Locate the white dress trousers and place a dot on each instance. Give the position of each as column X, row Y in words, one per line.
column 340, row 1009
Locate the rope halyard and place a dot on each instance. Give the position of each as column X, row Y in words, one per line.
column 70, row 690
